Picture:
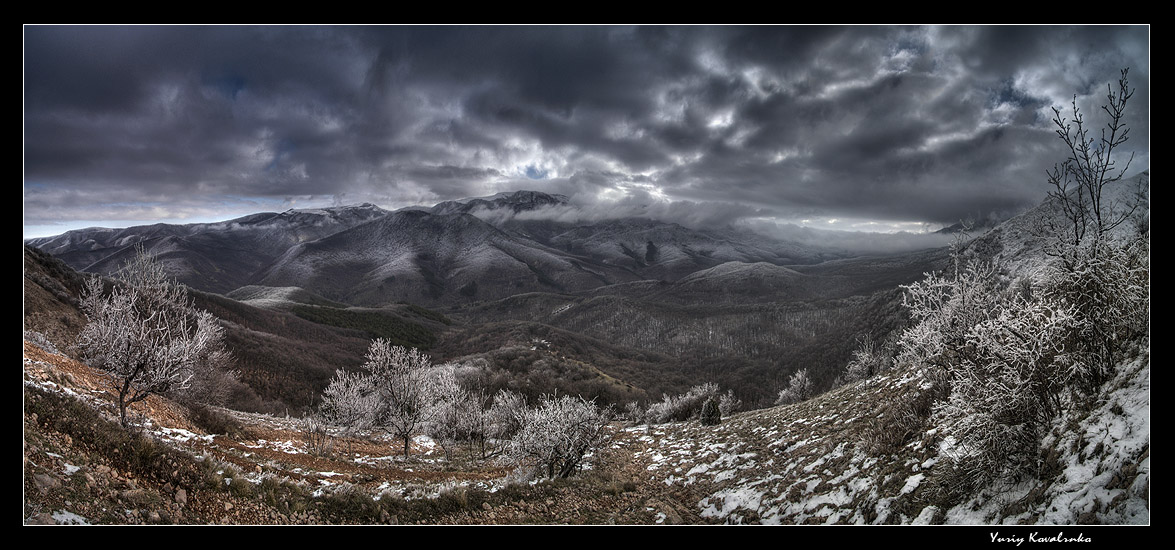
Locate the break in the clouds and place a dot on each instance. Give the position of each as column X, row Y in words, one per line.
column 892, row 127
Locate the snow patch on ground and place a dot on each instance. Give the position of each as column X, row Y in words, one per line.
column 64, row 517
column 912, row 483
column 181, row 435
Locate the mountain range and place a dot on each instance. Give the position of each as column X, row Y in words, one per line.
column 453, row 253
column 616, row 311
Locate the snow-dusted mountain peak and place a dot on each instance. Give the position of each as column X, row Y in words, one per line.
column 516, row 201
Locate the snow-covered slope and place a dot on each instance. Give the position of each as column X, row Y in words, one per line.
column 815, row 462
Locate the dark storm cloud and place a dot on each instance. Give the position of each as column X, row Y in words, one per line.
column 907, row 124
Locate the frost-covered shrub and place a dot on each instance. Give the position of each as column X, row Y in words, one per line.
column 41, row 341
column 633, row 412
column 557, row 435
column 316, row 437
column 1007, row 389
column 729, row 404
column 869, row 359
column 453, row 414
column 1108, row 287
column 681, row 407
column 1014, row 354
column 944, row 307
column 799, row 388
column 213, row 380
column 507, row 414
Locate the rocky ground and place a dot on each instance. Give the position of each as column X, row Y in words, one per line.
column 840, row 458
column 267, row 472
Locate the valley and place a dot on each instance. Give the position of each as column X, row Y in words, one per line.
column 728, row 306
column 877, row 284
column 556, row 311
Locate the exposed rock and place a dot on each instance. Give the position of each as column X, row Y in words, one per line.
column 131, row 494
column 671, row 515
column 45, row 482
column 44, row 518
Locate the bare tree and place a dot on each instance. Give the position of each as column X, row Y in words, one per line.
column 146, row 334
column 1091, row 165
column 1103, row 275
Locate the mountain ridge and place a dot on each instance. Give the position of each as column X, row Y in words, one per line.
column 448, row 254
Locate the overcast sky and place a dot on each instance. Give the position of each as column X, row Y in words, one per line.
column 863, row 127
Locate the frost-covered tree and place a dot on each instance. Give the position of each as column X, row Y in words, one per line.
column 213, row 378
column 1103, row 264
column 507, row 414
column 557, row 435
column 799, row 388
column 350, row 401
column 401, row 383
column 145, row 333
column 455, row 414
column 477, row 423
